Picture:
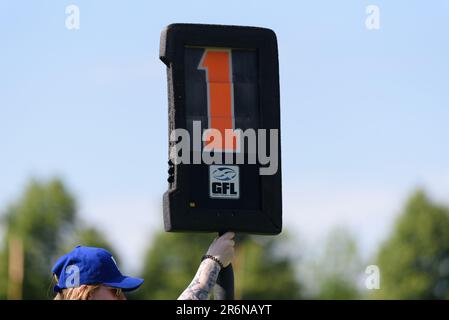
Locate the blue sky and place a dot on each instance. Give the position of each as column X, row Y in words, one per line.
column 364, row 112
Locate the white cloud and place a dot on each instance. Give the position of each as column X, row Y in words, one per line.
column 368, row 213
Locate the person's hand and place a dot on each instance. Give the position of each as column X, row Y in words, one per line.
column 222, row 248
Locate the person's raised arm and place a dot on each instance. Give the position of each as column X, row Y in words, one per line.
column 221, row 251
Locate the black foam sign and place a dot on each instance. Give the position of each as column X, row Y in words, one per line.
column 223, row 79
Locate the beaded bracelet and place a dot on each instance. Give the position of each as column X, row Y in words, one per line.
column 208, row 256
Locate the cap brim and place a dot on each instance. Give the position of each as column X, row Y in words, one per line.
column 126, row 283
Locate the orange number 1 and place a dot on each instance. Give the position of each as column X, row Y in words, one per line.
column 220, row 97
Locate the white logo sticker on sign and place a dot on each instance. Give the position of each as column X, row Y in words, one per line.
column 224, row 182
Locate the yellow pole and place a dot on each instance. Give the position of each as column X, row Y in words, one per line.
column 15, row 272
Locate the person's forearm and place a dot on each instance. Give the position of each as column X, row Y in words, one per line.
column 203, row 282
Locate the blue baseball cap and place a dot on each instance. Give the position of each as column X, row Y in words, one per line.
column 89, row 265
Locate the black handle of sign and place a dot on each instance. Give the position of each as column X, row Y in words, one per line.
column 224, row 289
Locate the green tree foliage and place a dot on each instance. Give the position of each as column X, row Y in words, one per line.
column 414, row 261
column 44, row 220
column 39, row 219
column 260, row 271
column 91, row 237
column 3, row 274
column 333, row 274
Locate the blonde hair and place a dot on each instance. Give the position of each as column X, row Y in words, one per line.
column 78, row 293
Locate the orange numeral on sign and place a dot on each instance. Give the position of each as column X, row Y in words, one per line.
column 217, row 64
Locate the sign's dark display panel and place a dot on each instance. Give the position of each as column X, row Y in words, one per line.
column 224, row 129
